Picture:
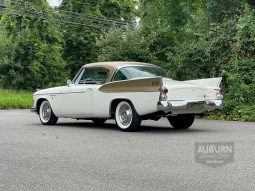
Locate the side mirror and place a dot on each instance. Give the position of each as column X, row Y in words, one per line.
column 69, row 82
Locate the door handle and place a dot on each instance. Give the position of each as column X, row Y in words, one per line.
column 89, row 89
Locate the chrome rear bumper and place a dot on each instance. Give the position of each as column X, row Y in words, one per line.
column 179, row 107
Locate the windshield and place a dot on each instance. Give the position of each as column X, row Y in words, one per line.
column 131, row 72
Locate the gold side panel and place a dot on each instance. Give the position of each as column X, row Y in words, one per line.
column 136, row 85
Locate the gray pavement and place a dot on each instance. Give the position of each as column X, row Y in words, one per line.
column 76, row 155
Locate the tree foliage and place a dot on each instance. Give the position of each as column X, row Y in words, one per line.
column 80, row 42
column 35, row 57
column 195, row 39
column 189, row 38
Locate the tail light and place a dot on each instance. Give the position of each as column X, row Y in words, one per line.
column 219, row 93
column 163, row 94
column 165, row 91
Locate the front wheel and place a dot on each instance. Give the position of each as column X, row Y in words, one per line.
column 46, row 114
column 126, row 117
column 183, row 121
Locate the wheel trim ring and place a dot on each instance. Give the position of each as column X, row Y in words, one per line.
column 45, row 112
column 125, row 115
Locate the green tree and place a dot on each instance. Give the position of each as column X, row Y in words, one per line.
column 80, row 41
column 37, row 62
column 130, row 46
column 7, row 45
column 195, row 39
column 240, row 71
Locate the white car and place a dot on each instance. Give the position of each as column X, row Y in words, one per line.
column 128, row 92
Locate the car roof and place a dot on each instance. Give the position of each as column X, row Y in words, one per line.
column 117, row 64
column 114, row 66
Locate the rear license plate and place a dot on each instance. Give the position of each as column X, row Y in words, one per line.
column 196, row 105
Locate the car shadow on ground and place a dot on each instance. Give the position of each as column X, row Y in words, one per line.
column 144, row 128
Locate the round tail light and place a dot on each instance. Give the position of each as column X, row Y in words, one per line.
column 165, row 91
column 221, row 90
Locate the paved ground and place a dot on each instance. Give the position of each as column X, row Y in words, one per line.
column 75, row 155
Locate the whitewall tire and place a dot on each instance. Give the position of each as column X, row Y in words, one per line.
column 126, row 117
column 46, row 114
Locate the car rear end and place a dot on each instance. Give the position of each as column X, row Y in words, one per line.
column 190, row 97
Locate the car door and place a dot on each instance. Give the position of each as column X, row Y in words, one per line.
column 77, row 101
column 77, row 97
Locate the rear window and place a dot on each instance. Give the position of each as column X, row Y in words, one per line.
column 131, row 72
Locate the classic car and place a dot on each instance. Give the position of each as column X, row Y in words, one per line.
column 128, row 92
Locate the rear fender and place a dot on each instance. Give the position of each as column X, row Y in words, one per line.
column 142, row 93
column 210, row 82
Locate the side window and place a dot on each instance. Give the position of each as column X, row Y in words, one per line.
column 119, row 76
column 94, row 76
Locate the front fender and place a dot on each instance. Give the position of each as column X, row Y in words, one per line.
column 38, row 100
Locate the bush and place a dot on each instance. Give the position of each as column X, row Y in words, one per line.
column 208, row 47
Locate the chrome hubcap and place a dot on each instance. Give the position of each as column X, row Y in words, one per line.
column 46, row 112
column 125, row 115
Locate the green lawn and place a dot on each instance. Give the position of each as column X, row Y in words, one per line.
column 12, row 99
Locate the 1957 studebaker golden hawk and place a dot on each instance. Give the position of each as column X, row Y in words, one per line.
column 128, row 92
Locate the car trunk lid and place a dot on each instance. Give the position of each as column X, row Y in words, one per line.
column 202, row 89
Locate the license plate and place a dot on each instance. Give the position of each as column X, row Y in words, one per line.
column 196, row 105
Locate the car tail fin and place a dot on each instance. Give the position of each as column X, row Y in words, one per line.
column 211, row 82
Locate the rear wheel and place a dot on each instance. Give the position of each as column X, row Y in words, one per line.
column 183, row 121
column 126, row 117
column 46, row 114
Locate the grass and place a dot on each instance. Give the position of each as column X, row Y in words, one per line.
column 13, row 99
